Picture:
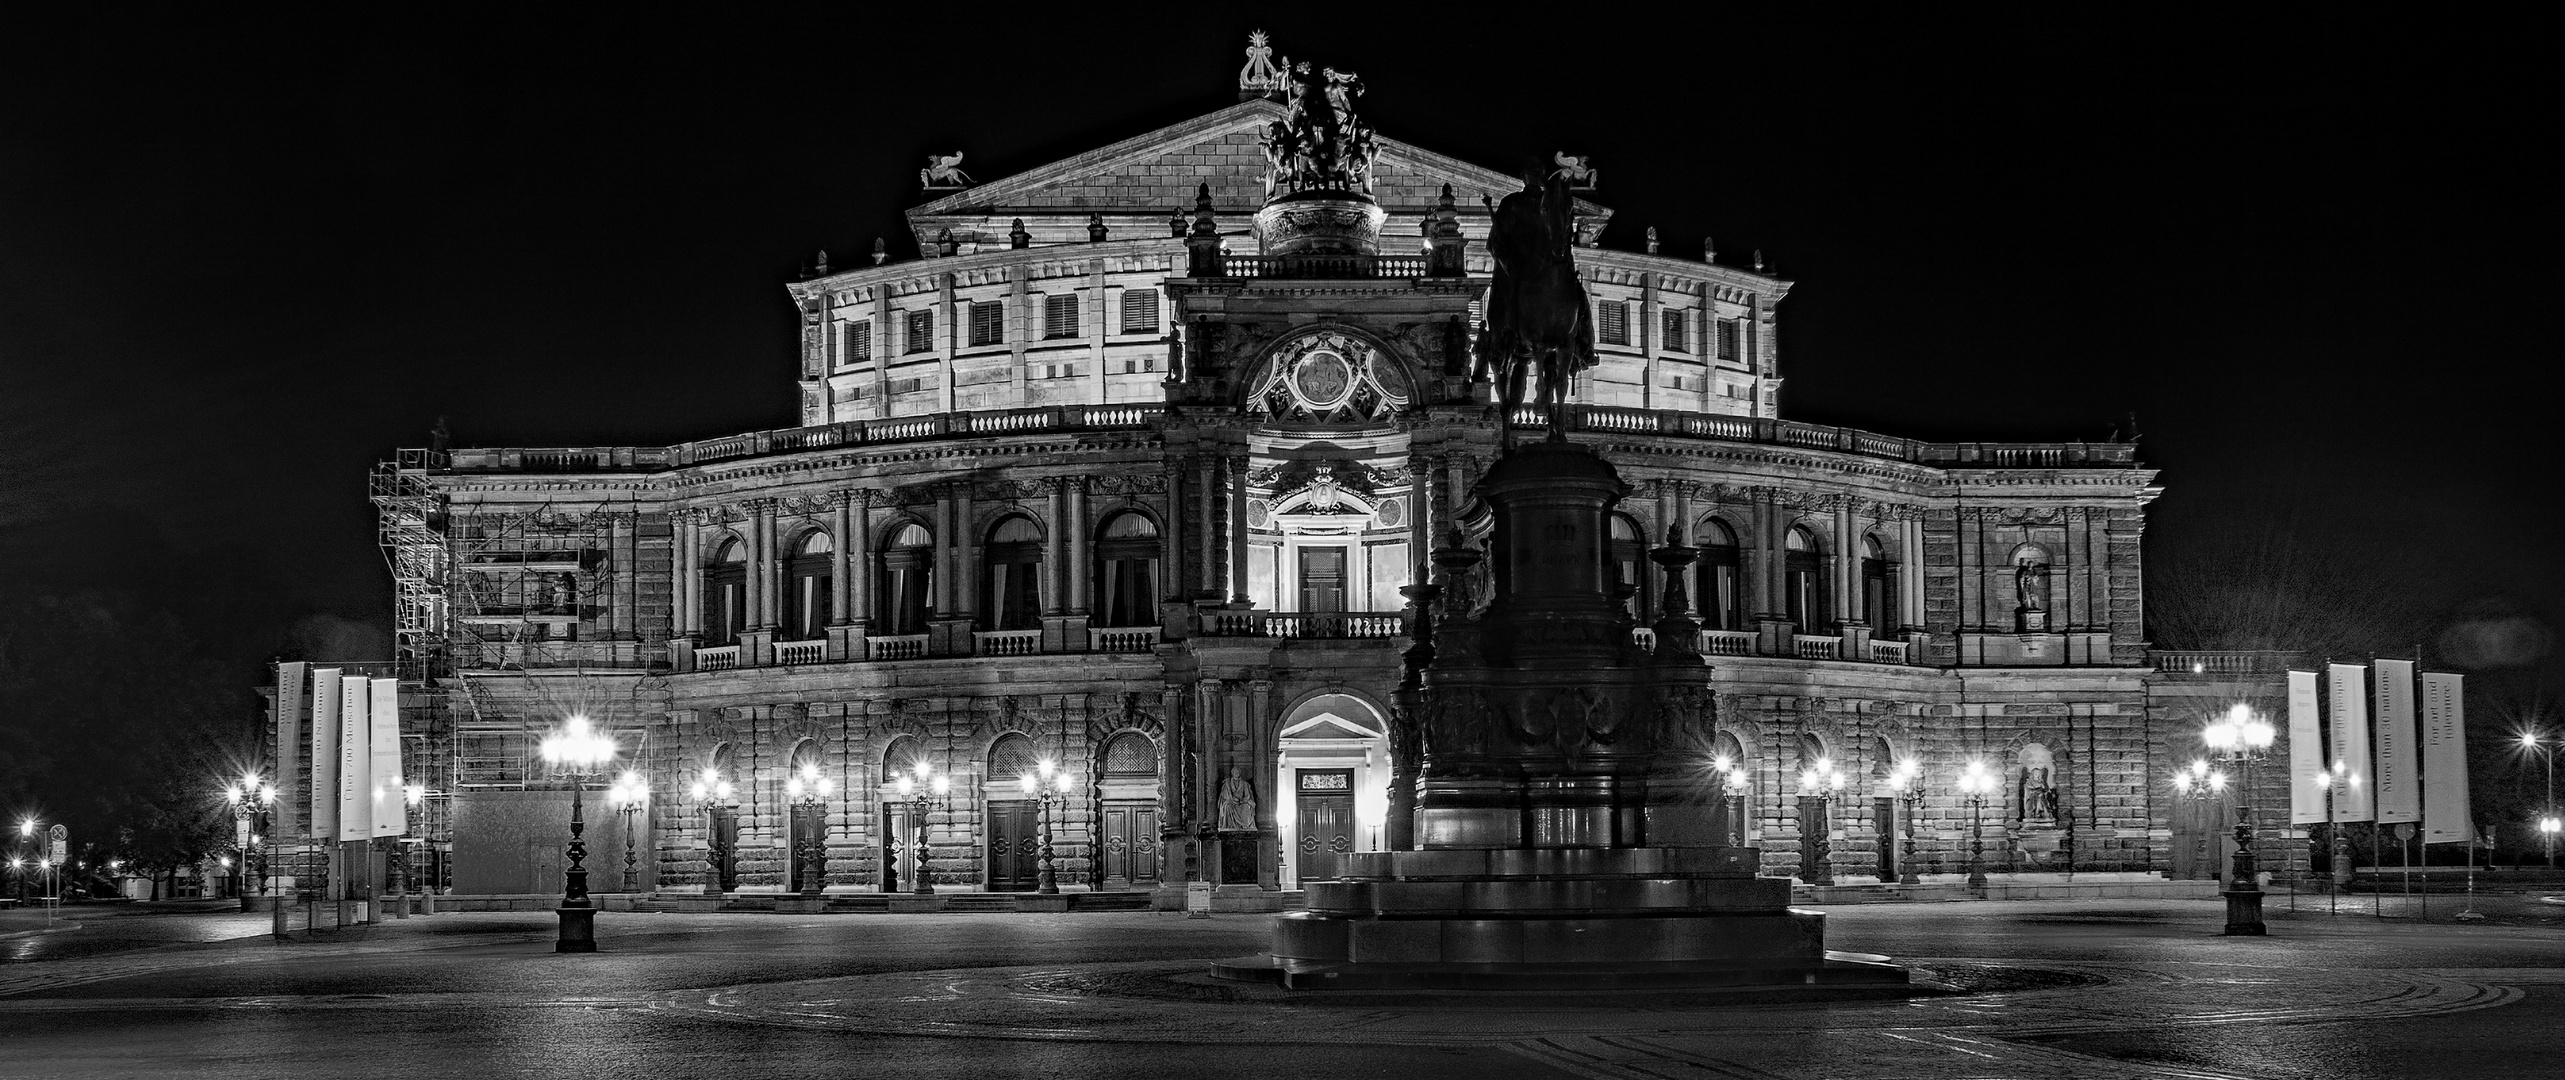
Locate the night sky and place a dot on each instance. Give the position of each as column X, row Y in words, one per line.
column 240, row 261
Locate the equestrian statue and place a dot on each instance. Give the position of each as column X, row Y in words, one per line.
column 1537, row 315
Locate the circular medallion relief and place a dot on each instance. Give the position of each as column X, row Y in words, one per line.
column 1258, row 512
column 1323, row 379
column 1393, row 512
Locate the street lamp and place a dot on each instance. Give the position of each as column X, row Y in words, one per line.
column 628, row 796
column 929, row 792
column 1975, row 784
column 1052, row 789
column 808, row 793
column 1907, row 779
column 2333, row 780
column 2547, row 821
column 2241, row 737
column 1732, row 798
column 712, row 792
column 575, row 751
column 1821, row 781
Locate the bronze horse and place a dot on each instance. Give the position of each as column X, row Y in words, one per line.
column 1536, row 308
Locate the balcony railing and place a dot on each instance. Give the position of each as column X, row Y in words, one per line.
column 1006, row 642
column 1125, row 639
column 895, row 647
column 500, row 655
column 1728, row 642
column 1816, row 647
column 1622, row 420
column 801, row 652
column 2225, row 661
column 1343, row 625
column 1324, row 266
column 1890, row 652
column 717, row 658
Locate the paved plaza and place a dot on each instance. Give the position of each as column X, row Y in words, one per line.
column 2014, row 989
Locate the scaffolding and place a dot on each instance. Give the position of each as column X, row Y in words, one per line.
column 410, row 513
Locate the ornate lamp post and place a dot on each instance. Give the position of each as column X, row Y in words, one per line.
column 2333, row 780
column 808, row 792
column 2241, row 737
column 630, row 794
column 577, row 750
column 1053, row 789
column 1908, row 780
column 2548, row 823
column 711, row 792
column 1821, row 782
column 1732, row 789
column 1975, row 783
column 927, row 793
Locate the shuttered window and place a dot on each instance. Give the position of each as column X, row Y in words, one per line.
column 988, row 324
column 921, row 332
column 1675, row 323
column 1728, row 335
column 1060, row 316
column 1139, row 312
column 1612, row 322
column 859, row 342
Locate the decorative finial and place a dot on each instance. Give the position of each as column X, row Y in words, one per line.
column 823, row 262
column 1709, row 250
column 881, row 251
column 1758, row 260
column 1176, row 224
column 945, row 245
column 1203, row 225
column 1095, row 228
column 1652, row 239
column 943, row 172
column 1577, row 169
column 1017, row 237
column 1261, row 77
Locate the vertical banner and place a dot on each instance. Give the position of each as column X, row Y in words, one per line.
column 2306, row 751
column 325, row 709
column 2347, row 707
column 355, row 758
column 2399, row 768
column 390, row 819
column 2446, row 815
column 292, row 702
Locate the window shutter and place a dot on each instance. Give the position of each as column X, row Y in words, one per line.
column 988, row 324
column 1613, row 322
column 859, row 342
column 1139, row 311
column 1060, row 316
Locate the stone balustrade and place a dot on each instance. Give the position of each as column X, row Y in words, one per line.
column 801, row 652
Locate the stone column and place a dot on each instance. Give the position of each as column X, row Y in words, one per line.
column 686, row 587
column 1207, row 493
column 761, row 564
column 1055, row 555
column 1847, row 566
column 841, row 561
column 859, row 565
column 1080, row 570
column 1237, row 531
column 1911, row 588
column 622, row 619
column 948, row 341
column 1647, row 342
column 966, row 546
column 1096, row 328
column 1171, row 563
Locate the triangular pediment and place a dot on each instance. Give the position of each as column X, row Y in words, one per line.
column 1137, row 185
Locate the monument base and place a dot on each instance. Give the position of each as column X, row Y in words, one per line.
column 1554, row 919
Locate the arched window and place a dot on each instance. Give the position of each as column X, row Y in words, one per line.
column 1740, row 785
column 808, row 579
column 1803, row 581
column 720, row 776
column 1629, row 554
column 726, row 595
column 1721, row 600
column 805, row 753
column 1011, row 757
column 1126, row 568
column 1878, row 596
column 1130, row 756
column 902, row 758
column 908, row 580
column 1011, row 575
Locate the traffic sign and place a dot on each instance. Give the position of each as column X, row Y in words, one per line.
column 61, row 844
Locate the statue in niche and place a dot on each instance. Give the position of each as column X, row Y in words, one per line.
column 1537, row 314
column 2030, row 584
column 2037, row 798
column 1237, row 803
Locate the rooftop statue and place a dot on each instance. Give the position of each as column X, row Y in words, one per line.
column 1319, row 144
column 1537, row 315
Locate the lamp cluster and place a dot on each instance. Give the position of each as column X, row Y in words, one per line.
column 578, row 745
column 2199, row 778
column 808, row 785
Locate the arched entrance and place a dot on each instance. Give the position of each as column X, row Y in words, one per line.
column 1332, row 784
column 1127, row 779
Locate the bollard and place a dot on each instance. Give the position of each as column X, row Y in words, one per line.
column 427, row 902
column 282, row 925
column 400, row 905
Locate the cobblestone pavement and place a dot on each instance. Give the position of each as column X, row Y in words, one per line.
column 2109, row 990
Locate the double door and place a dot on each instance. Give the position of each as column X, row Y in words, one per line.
column 1130, row 844
column 1015, row 846
column 810, row 847
column 1326, row 835
column 723, row 851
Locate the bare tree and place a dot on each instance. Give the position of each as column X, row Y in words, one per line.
column 2283, row 581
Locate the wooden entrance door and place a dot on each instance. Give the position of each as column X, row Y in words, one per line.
column 1884, row 812
column 1326, row 823
column 1130, row 844
column 1015, row 846
column 723, row 850
column 810, row 847
column 899, row 832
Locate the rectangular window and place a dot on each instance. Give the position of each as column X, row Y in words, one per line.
column 988, row 324
column 1060, row 316
column 1728, row 338
column 1139, row 311
column 1322, row 579
column 1385, row 572
column 1612, row 322
column 1674, row 323
column 858, row 342
column 921, row 331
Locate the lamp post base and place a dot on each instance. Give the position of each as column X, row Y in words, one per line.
column 2244, row 913
column 578, row 930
